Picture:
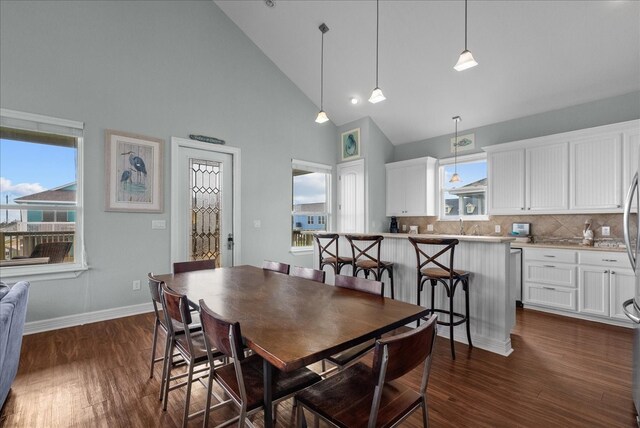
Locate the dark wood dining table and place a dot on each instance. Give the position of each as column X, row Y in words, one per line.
column 291, row 322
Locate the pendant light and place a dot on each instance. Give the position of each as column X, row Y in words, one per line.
column 322, row 116
column 377, row 95
column 455, row 177
column 466, row 59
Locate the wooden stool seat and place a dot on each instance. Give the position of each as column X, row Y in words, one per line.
column 332, row 260
column 372, row 264
column 441, row 273
column 446, row 276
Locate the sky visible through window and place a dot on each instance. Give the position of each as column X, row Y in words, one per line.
column 309, row 188
column 468, row 172
column 27, row 168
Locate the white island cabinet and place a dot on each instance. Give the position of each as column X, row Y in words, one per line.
column 492, row 307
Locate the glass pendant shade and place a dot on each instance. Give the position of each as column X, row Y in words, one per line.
column 376, row 96
column 465, row 61
column 322, row 117
column 454, row 178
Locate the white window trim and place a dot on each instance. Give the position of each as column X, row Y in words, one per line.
column 313, row 167
column 37, row 122
column 475, row 157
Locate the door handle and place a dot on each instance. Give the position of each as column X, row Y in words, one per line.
column 628, row 313
column 625, row 220
column 230, row 242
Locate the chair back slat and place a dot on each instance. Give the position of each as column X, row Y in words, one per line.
column 177, row 306
column 154, row 289
column 364, row 245
column 326, row 243
column 217, row 332
column 404, row 351
column 193, row 265
column 360, row 284
column 309, row 273
column 423, row 259
column 276, row 266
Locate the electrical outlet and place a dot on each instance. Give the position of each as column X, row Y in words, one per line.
column 498, row 228
column 257, row 224
column 158, row 224
column 606, row 231
column 429, row 228
column 404, row 227
column 136, row 285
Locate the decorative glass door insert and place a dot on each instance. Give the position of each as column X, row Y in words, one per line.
column 206, row 209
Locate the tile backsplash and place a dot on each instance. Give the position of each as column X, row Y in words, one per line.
column 543, row 227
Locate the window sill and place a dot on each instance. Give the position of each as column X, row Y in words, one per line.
column 42, row 273
column 301, row 251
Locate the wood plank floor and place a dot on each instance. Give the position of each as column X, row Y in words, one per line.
column 563, row 373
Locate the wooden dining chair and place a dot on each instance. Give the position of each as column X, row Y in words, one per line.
column 360, row 391
column 309, row 273
column 343, row 359
column 193, row 265
column 190, row 345
column 366, row 258
column 242, row 379
column 276, row 266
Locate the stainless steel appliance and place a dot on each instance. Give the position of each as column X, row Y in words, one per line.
column 632, row 306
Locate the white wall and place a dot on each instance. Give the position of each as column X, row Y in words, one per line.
column 161, row 69
column 616, row 109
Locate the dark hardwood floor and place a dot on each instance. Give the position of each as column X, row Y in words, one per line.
column 564, row 373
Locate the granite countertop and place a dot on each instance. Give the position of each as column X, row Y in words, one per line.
column 567, row 246
column 461, row 238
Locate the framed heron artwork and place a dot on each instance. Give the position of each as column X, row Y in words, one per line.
column 133, row 172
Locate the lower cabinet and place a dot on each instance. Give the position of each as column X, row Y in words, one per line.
column 593, row 284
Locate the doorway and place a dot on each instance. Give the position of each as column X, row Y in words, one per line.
column 204, row 202
column 352, row 213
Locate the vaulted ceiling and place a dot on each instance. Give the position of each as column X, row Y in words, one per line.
column 534, row 56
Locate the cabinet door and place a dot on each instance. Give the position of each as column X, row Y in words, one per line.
column 415, row 182
column 622, row 288
column 395, row 192
column 547, row 178
column 596, row 176
column 555, row 297
column 506, row 182
column 594, row 290
column 630, row 149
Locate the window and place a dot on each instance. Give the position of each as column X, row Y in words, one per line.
column 40, row 195
column 311, row 202
column 466, row 198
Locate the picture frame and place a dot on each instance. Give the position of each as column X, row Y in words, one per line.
column 350, row 144
column 465, row 143
column 133, row 172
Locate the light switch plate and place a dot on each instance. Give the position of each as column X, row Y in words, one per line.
column 257, row 224
column 158, row 224
column 606, row 231
column 497, row 228
column 429, row 228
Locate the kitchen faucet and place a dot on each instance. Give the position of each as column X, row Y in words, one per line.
column 461, row 227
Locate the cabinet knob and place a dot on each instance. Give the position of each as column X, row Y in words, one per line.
column 606, row 271
column 613, row 272
column 529, row 208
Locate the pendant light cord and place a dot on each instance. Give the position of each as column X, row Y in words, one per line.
column 455, row 150
column 322, row 72
column 465, row 25
column 377, row 32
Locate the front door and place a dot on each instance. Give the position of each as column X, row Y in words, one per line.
column 202, row 204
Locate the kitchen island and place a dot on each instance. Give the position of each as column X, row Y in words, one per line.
column 492, row 300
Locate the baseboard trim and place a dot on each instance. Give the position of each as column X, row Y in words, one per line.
column 491, row 345
column 85, row 318
column 610, row 321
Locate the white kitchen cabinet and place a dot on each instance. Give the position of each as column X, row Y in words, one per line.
column 596, row 172
column 411, row 187
column 506, row 181
column 554, row 297
column 550, row 278
column 594, row 290
column 547, row 178
column 622, row 288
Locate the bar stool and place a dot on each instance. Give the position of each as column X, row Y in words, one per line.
column 445, row 275
column 328, row 252
column 362, row 249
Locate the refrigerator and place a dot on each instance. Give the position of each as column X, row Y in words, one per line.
column 631, row 307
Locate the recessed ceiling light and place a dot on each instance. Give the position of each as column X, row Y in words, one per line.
column 270, row 3
column 354, row 100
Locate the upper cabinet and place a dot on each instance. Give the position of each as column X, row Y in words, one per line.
column 585, row 171
column 411, row 187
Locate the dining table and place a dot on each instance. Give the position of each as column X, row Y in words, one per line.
column 291, row 322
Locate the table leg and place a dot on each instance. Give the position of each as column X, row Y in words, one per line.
column 268, row 409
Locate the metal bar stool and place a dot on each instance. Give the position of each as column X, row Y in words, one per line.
column 328, row 252
column 362, row 249
column 449, row 277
